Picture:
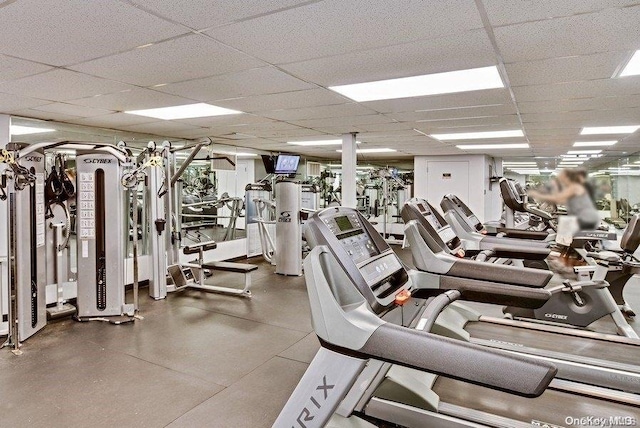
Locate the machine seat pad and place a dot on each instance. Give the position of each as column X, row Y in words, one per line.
column 526, row 277
column 195, row 248
column 230, row 267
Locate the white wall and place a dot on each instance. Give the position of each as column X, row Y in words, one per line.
column 483, row 202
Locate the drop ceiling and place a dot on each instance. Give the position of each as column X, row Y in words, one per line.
column 85, row 62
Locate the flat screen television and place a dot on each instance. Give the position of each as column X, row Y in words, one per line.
column 269, row 164
column 287, row 164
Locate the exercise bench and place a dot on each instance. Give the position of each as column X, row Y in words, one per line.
column 183, row 276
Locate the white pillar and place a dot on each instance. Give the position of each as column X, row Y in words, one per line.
column 349, row 162
column 5, row 133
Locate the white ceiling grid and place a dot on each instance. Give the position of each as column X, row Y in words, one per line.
column 86, row 62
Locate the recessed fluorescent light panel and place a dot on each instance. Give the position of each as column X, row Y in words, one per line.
column 594, row 143
column 493, row 146
column 417, row 86
column 584, row 152
column 318, row 143
column 633, row 66
column 26, row 130
column 188, row 111
column 371, row 151
column 479, row 135
column 603, row 130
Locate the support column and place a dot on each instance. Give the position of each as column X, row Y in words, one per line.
column 349, row 163
column 5, row 133
column 5, row 122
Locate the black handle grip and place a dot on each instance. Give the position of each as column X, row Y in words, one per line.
column 468, row 362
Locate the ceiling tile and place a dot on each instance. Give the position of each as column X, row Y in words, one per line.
column 44, row 115
column 628, row 116
column 10, row 102
column 190, row 57
column 434, row 102
column 565, row 69
column 346, row 27
column 322, row 112
column 134, row 99
column 16, row 68
column 504, row 12
column 387, row 127
column 114, row 120
column 164, row 127
column 227, row 120
column 203, row 14
column 285, row 100
column 61, row 85
column 455, row 113
column 454, row 52
column 584, row 89
column 577, row 104
column 609, row 30
column 510, row 121
column 346, row 121
column 73, row 110
column 50, row 31
column 257, row 81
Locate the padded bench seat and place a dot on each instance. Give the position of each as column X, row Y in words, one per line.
column 204, row 246
column 230, row 267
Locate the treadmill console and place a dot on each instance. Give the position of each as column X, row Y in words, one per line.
column 445, row 232
column 364, row 255
column 354, row 239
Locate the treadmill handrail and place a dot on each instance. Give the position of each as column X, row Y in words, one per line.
column 345, row 324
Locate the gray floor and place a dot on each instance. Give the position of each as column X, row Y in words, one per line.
column 196, row 359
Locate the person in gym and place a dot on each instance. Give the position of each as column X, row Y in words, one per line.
column 575, row 196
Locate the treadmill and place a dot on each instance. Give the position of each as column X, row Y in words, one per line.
column 377, row 366
column 583, row 356
column 515, row 200
column 483, row 247
column 462, row 220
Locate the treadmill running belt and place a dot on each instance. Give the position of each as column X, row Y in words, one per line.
column 552, row 407
column 579, row 346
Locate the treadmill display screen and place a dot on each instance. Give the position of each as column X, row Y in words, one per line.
column 343, row 223
column 421, row 208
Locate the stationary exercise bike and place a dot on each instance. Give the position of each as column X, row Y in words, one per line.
column 581, row 306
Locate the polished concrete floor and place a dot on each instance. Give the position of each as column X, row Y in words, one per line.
column 195, row 360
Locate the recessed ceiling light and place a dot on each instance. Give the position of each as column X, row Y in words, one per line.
column 318, row 143
column 371, row 151
column 429, row 84
column 594, row 143
column 600, row 130
column 584, row 152
column 518, row 163
column 631, row 165
column 633, row 66
column 479, row 135
column 493, row 146
column 26, row 130
column 184, row 112
column 612, row 168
